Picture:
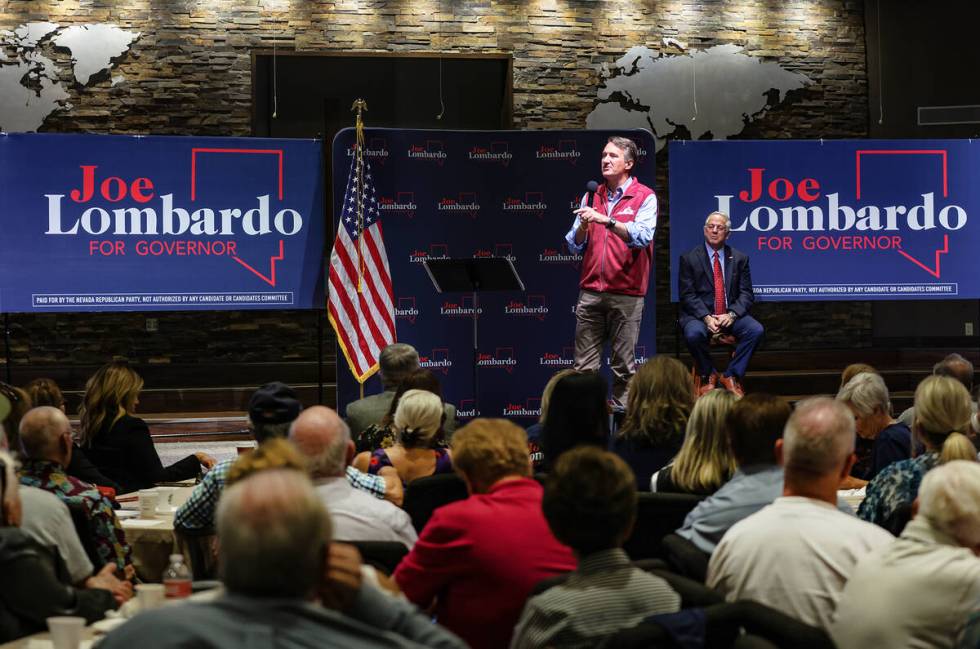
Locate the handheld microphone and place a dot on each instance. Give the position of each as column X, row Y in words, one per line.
column 591, row 187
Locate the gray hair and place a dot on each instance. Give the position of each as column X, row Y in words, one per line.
column 262, row 432
column 630, row 151
column 866, row 393
column 322, row 438
column 818, row 437
column 40, row 429
column 273, row 533
column 397, row 361
column 949, row 497
column 421, row 412
column 728, row 221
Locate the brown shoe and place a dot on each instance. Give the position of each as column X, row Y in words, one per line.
column 731, row 384
column 710, row 384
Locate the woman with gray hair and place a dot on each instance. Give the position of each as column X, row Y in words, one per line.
column 867, row 397
column 920, row 590
column 415, row 454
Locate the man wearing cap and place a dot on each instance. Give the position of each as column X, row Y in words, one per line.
column 271, row 410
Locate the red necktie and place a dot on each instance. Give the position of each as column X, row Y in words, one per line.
column 719, row 288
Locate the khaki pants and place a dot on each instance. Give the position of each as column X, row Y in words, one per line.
column 607, row 316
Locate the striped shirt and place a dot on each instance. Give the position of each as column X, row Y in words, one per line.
column 605, row 594
column 197, row 512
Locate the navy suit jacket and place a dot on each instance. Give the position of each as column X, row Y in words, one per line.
column 696, row 284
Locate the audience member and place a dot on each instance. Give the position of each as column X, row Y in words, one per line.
column 942, row 416
column 275, row 559
column 705, row 461
column 47, row 439
column 417, row 422
column 590, row 505
column 661, row 395
column 46, row 519
column 324, row 440
column 396, row 362
column 866, row 395
column 754, row 424
column 45, row 392
column 19, row 402
column 953, row 366
column 477, row 559
column 383, row 435
column 920, row 590
column 970, row 636
column 577, row 414
column 815, row 545
column 118, row 443
column 534, row 430
column 36, row 584
column 275, row 453
column 271, row 409
column 853, row 370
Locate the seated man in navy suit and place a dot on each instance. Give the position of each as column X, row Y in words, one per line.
column 715, row 288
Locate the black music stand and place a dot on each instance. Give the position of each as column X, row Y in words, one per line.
column 474, row 276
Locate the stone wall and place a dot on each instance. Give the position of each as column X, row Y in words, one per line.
column 190, row 73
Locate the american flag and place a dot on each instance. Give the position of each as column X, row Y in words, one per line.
column 361, row 307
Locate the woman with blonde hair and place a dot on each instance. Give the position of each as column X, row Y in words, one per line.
column 705, row 461
column 415, row 454
column 942, row 418
column 661, row 395
column 118, row 443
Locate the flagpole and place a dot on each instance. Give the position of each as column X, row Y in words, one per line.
column 359, row 107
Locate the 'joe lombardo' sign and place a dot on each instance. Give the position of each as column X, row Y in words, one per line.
column 120, row 223
column 836, row 220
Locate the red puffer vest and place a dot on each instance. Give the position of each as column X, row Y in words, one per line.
column 609, row 265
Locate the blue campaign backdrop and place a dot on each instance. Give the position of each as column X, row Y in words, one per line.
column 836, row 220
column 128, row 223
column 485, row 194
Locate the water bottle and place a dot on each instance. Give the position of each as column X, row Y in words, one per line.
column 177, row 578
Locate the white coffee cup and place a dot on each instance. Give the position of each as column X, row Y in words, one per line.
column 149, row 499
column 150, row 596
column 66, row 631
column 166, row 505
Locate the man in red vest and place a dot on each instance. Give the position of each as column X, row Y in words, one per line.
column 715, row 288
column 613, row 230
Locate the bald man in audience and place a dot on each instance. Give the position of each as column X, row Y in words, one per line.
column 276, row 560
column 47, row 440
column 796, row 554
column 324, row 439
column 920, row 590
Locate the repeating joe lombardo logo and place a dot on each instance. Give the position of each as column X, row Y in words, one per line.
column 495, row 152
column 535, row 306
column 464, row 203
column 467, row 409
column 501, row 250
column 435, row 251
column 502, row 358
column 406, row 309
column 559, row 256
column 437, row 361
column 430, row 151
column 639, row 353
column 531, row 408
column 461, row 306
column 562, row 150
column 376, row 150
column 566, row 358
column 401, row 204
column 531, row 204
